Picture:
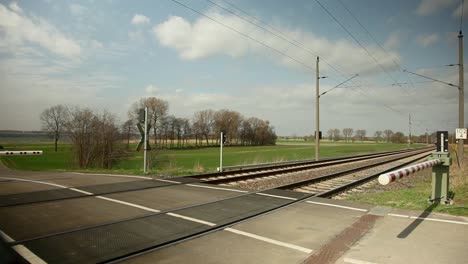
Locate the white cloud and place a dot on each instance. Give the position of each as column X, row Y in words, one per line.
column 18, row 29
column 152, row 89
column 427, row 40
column 140, row 19
column 204, row 38
column 429, row 7
column 14, row 6
column 77, row 9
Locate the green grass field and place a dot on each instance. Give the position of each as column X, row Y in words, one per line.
column 188, row 161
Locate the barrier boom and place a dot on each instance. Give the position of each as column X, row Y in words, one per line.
column 392, row 176
column 21, row 153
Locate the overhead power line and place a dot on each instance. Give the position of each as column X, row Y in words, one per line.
column 356, row 40
column 279, row 33
column 398, row 65
column 368, row 33
column 245, row 35
column 461, row 16
column 435, row 80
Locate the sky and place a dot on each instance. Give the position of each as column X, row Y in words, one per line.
column 256, row 57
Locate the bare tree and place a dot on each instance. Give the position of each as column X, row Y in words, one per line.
column 157, row 109
column 398, row 137
column 347, row 132
column 93, row 137
column 203, row 123
column 336, row 134
column 80, row 128
column 378, row 135
column 330, row 134
column 388, row 134
column 360, row 134
column 227, row 121
column 128, row 129
column 53, row 120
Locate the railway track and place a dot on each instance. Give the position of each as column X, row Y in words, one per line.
column 336, row 183
column 246, row 178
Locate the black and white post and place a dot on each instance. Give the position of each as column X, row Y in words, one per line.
column 145, row 141
column 221, row 142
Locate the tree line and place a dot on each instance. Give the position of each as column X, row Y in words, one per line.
column 202, row 130
column 96, row 136
column 387, row 135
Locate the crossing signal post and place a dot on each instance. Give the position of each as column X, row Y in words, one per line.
column 223, row 140
column 440, row 172
column 144, row 128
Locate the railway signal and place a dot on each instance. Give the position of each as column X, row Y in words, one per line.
column 144, row 128
column 222, row 141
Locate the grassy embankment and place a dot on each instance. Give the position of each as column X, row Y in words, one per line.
column 413, row 191
column 189, row 161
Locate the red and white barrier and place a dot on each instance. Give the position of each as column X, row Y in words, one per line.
column 21, row 153
column 392, row 176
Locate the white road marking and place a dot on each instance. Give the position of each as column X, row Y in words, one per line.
column 23, row 251
column 192, row 219
column 129, row 204
column 166, row 181
column 26, row 180
column 355, row 261
column 269, row 240
column 338, row 206
column 6, row 237
column 115, row 175
column 28, row 255
column 216, row 188
column 430, row 219
column 81, row 191
column 277, row 196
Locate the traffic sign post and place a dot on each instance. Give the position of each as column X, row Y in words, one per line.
column 460, row 133
column 144, row 128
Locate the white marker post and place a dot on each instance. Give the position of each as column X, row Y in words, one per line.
column 146, row 140
column 221, row 153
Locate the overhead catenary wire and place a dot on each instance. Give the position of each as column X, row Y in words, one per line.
column 279, row 33
column 245, row 35
column 461, row 16
column 398, row 65
column 356, row 40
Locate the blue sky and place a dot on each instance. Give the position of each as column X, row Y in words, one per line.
column 108, row 54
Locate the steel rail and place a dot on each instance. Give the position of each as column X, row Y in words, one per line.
column 299, row 168
column 299, row 163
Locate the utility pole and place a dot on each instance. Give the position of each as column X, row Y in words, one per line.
column 317, row 128
column 427, row 137
column 409, row 131
column 461, row 106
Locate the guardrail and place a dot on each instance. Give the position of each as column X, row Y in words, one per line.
column 392, row 176
column 21, row 153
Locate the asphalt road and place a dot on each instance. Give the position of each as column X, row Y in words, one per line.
column 83, row 218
